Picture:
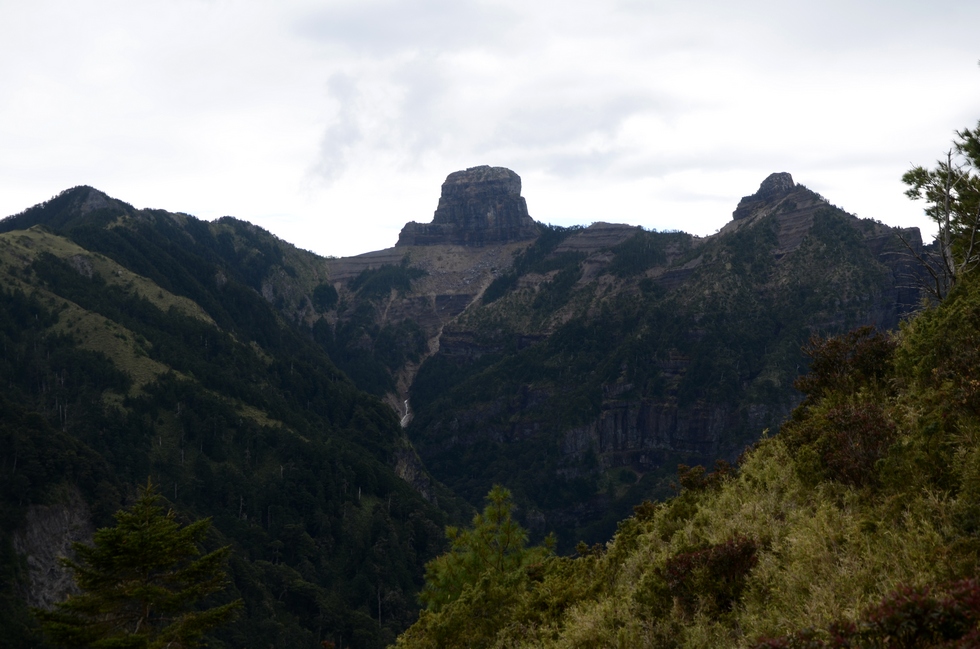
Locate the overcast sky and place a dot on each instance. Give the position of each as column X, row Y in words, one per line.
column 333, row 123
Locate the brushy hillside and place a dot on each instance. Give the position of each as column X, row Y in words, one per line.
column 856, row 526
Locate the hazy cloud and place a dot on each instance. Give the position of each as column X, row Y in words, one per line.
column 295, row 112
column 345, row 130
column 384, row 27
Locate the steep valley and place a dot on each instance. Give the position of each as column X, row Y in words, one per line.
column 584, row 371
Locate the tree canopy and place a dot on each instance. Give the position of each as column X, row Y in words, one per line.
column 495, row 545
column 952, row 194
column 141, row 582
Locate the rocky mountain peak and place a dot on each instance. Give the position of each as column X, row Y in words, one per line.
column 68, row 207
column 774, row 187
column 90, row 199
column 478, row 206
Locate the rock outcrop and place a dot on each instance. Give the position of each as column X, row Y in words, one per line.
column 46, row 536
column 772, row 189
column 479, row 206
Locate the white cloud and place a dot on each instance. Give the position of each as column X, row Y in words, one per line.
column 333, row 123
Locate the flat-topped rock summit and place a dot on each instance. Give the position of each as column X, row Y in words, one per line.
column 479, row 206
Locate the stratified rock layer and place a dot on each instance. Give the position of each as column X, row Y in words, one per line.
column 772, row 188
column 479, row 206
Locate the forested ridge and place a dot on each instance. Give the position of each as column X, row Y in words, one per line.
column 603, row 371
column 147, row 350
column 855, row 526
column 563, row 378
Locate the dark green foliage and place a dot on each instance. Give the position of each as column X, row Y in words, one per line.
column 494, row 545
column 440, row 374
column 923, row 618
column 556, row 292
column 499, row 286
column 36, row 459
column 400, row 343
column 711, row 579
column 261, row 483
column 846, row 363
column 645, row 250
column 324, row 297
column 534, row 260
column 321, row 529
column 696, row 478
column 841, row 431
column 369, row 354
column 253, row 261
column 141, row 583
column 952, row 195
column 374, row 283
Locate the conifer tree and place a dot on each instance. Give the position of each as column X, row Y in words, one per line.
column 495, row 545
column 140, row 583
column 951, row 192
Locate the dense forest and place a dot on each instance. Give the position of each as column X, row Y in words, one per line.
column 149, row 353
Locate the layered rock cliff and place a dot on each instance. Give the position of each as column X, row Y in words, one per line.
column 479, row 206
column 772, row 189
column 599, row 356
column 618, row 353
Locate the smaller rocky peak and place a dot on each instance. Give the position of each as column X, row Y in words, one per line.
column 66, row 210
column 776, row 185
column 773, row 188
column 90, row 199
column 478, row 206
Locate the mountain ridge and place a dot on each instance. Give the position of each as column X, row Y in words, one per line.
column 138, row 342
column 577, row 367
column 572, row 275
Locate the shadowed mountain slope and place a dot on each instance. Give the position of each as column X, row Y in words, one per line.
column 576, row 366
column 579, row 369
column 143, row 343
column 856, row 526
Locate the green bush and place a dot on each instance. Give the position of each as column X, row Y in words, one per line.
column 920, row 618
column 325, row 297
column 711, row 579
column 374, row 283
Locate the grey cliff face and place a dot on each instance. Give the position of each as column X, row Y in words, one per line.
column 479, row 206
column 47, row 534
column 772, row 188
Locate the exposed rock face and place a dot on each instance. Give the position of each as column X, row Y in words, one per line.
column 47, row 535
column 789, row 254
column 409, row 468
column 646, row 434
column 596, row 237
column 772, row 188
column 480, row 206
